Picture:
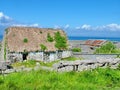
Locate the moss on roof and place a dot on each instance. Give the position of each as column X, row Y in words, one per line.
column 35, row 37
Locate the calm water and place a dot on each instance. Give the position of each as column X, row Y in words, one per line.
column 86, row 38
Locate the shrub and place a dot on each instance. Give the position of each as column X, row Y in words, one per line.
column 25, row 40
column 5, row 44
column 60, row 41
column 76, row 49
column 107, row 48
column 40, row 32
column 49, row 38
column 6, row 30
column 43, row 47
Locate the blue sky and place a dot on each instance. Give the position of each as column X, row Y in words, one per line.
column 76, row 17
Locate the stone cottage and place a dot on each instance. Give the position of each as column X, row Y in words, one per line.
column 28, row 43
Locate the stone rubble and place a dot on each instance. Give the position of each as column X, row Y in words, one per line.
column 81, row 65
column 66, row 66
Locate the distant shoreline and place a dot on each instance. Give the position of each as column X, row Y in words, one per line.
column 86, row 38
column 95, row 38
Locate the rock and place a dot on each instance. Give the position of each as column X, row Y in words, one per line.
column 93, row 66
column 37, row 64
column 36, row 68
column 69, row 68
column 55, row 66
column 46, row 68
column 82, row 67
column 27, row 69
column 9, row 71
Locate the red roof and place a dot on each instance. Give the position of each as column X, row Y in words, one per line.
column 94, row 42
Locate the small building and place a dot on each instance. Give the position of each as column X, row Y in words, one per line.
column 28, row 43
column 87, row 46
column 95, row 43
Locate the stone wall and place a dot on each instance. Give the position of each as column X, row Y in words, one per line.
column 35, row 56
column 13, row 57
column 94, row 56
column 53, row 57
column 66, row 54
column 39, row 56
column 81, row 65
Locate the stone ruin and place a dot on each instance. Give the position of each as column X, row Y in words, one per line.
column 82, row 65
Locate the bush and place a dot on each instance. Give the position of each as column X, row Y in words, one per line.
column 25, row 40
column 60, row 41
column 5, row 50
column 49, row 38
column 40, row 32
column 76, row 49
column 108, row 48
column 43, row 47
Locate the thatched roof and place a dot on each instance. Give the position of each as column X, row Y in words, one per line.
column 15, row 37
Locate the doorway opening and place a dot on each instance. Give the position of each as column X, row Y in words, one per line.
column 25, row 54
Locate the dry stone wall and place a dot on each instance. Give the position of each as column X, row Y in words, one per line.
column 13, row 57
column 81, row 65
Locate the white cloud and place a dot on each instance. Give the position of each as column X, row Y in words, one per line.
column 4, row 16
column 26, row 25
column 78, row 28
column 67, row 26
column 85, row 26
column 8, row 21
column 4, row 19
column 111, row 27
column 35, row 25
column 19, row 25
column 57, row 27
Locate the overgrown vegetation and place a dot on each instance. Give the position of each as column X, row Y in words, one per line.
column 40, row 32
column 28, row 63
column 32, row 63
column 60, row 41
column 6, row 31
column 5, row 45
column 98, row 79
column 76, row 49
column 108, row 48
column 49, row 64
column 0, row 46
column 25, row 40
column 49, row 38
column 43, row 47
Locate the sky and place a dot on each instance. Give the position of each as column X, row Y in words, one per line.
column 76, row 17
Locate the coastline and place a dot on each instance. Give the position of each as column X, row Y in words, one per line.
column 76, row 38
column 83, row 38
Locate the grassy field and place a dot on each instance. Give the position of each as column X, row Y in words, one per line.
column 98, row 79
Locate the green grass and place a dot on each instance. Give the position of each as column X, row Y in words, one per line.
column 76, row 49
column 28, row 63
column 32, row 63
column 98, row 79
column 49, row 64
column 108, row 48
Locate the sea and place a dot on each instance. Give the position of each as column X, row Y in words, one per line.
column 95, row 38
column 86, row 38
